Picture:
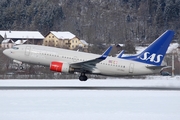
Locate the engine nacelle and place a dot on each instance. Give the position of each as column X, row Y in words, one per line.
column 60, row 67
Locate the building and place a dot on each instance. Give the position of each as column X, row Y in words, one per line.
column 32, row 37
column 7, row 43
column 63, row 39
column 83, row 45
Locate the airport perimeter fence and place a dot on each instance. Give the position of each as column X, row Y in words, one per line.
column 42, row 76
column 48, row 76
column 65, row 76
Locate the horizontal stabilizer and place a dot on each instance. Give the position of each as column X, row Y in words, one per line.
column 158, row 67
column 155, row 67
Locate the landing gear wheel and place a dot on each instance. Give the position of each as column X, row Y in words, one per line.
column 20, row 67
column 83, row 77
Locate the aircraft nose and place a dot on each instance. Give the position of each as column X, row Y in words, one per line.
column 5, row 52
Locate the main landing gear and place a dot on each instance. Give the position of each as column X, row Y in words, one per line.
column 83, row 77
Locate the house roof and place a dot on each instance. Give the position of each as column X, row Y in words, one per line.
column 7, row 41
column 120, row 45
column 63, row 34
column 22, row 34
column 18, row 42
column 84, row 42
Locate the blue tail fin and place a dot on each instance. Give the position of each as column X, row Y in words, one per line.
column 155, row 52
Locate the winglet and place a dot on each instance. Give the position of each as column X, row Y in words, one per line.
column 106, row 53
column 120, row 54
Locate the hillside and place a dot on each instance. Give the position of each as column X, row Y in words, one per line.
column 96, row 21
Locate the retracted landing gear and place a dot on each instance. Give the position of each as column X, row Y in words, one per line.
column 83, row 77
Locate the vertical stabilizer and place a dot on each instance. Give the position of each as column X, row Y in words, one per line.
column 155, row 52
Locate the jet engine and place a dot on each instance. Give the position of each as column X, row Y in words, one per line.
column 60, row 67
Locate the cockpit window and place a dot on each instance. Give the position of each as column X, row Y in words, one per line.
column 15, row 48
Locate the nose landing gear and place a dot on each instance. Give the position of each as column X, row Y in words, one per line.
column 21, row 67
column 18, row 67
column 19, row 64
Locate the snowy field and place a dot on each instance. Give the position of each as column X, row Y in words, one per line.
column 92, row 104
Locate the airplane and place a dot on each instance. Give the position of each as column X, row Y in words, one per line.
column 69, row 61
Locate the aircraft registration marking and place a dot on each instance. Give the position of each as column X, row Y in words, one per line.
column 113, row 62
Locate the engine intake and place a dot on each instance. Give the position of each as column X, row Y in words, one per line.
column 60, row 67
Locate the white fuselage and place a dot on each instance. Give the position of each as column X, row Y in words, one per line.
column 111, row 66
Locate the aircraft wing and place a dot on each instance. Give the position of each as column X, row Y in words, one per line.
column 90, row 65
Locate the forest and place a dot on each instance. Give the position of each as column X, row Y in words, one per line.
column 96, row 21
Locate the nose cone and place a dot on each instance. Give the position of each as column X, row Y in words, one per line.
column 6, row 52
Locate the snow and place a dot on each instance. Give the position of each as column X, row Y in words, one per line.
column 139, row 49
column 150, row 81
column 22, row 34
column 18, row 42
column 63, row 34
column 171, row 47
column 91, row 104
column 84, row 42
column 7, row 41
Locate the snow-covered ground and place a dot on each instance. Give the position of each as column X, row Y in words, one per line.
column 149, row 81
column 91, row 104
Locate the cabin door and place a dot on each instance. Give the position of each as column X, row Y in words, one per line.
column 27, row 50
column 131, row 67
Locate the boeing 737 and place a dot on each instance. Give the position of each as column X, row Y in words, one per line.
column 69, row 61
